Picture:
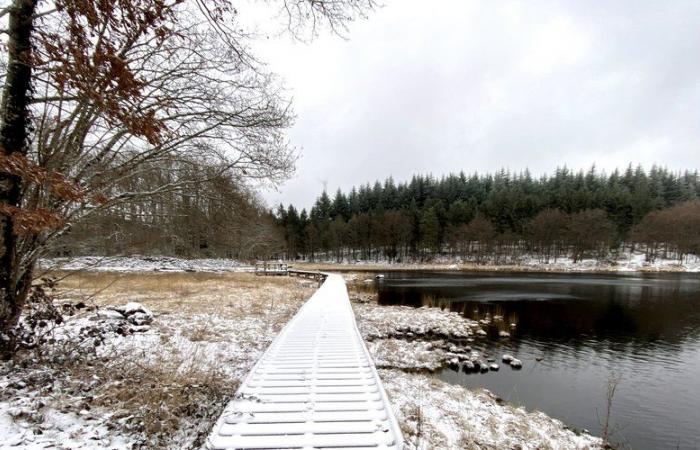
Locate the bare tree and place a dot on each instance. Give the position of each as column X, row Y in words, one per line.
column 590, row 231
column 548, row 231
column 673, row 229
column 119, row 88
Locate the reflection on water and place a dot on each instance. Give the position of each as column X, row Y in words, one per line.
column 644, row 328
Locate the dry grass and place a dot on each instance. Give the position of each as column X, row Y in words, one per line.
column 228, row 295
column 167, row 392
column 165, row 396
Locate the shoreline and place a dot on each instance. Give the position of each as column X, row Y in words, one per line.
column 512, row 268
column 162, row 264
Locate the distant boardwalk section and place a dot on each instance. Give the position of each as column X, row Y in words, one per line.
column 315, row 387
column 270, row 268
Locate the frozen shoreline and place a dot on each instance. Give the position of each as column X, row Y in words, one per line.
column 629, row 263
column 409, row 343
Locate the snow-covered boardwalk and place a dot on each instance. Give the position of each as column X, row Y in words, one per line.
column 315, row 387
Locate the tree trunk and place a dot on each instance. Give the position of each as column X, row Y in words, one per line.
column 14, row 138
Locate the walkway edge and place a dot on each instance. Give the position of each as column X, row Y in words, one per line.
column 315, row 387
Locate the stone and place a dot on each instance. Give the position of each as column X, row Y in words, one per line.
column 507, row 358
column 503, row 334
column 109, row 314
column 130, row 308
column 494, row 366
column 516, row 363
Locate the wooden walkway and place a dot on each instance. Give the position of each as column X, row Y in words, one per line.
column 315, row 387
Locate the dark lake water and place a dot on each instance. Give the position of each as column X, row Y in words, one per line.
column 642, row 328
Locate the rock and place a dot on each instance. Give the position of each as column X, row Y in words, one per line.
column 109, row 314
column 17, row 385
column 489, row 359
column 513, row 325
column 516, row 363
column 507, row 358
column 483, row 366
column 468, row 366
column 503, row 334
column 140, row 318
column 135, row 313
column 494, row 366
column 539, row 358
column 130, row 308
column 140, row 328
column 480, row 332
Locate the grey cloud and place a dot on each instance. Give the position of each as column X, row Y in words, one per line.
column 475, row 85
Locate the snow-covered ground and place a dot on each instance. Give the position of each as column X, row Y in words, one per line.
column 634, row 262
column 125, row 379
column 66, row 406
column 143, row 264
column 437, row 415
column 626, row 262
column 136, row 380
column 407, row 343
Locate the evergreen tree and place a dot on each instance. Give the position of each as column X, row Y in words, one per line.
column 506, row 212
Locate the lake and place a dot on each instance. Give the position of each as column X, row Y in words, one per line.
column 586, row 328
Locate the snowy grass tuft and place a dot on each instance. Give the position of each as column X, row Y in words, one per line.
column 434, row 414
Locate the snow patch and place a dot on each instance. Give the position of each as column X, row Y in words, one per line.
column 143, row 264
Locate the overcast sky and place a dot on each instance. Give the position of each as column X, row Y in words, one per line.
column 439, row 87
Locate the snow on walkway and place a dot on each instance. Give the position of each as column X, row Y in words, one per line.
column 315, row 387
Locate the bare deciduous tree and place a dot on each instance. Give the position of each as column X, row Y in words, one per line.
column 119, row 88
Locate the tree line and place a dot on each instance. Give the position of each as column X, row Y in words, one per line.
column 210, row 215
column 501, row 217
